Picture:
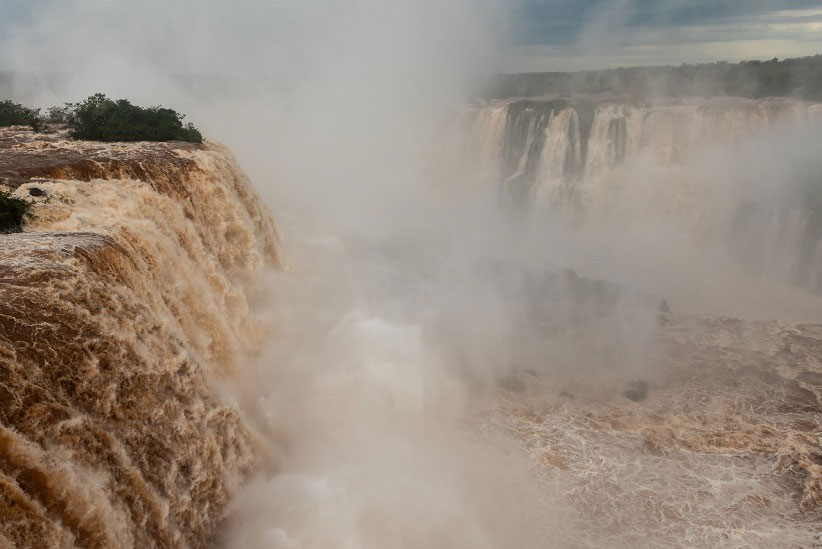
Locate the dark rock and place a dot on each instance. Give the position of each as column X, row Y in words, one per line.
column 34, row 191
column 566, row 394
column 532, row 372
column 540, row 290
column 512, row 383
column 637, row 390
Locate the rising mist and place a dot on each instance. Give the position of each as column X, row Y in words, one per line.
column 431, row 278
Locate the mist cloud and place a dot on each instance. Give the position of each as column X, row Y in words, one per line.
column 410, row 291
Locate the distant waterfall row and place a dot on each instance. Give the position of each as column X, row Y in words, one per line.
column 636, row 161
column 550, row 147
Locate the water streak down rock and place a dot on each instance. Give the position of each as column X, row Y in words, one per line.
column 126, row 292
column 585, row 159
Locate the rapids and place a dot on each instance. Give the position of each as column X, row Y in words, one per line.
column 618, row 349
column 130, row 290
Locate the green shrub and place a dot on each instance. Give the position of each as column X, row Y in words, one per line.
column 12, row 212
column 15, row 114
column 57, row 115
column 99, row 118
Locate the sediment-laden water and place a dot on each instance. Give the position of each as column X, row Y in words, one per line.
column 127, row 293
column 620, row 347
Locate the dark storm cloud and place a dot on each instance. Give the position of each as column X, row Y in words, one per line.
column 656, row 12
column 547, row 34
column 551, row 21
column 591, row 34
column 560, row 22
column 13, row 12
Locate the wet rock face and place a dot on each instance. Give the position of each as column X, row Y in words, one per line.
column 110, row 434
column 636, row 390
column 512, row 383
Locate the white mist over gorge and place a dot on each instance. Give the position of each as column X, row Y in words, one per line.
column 430, row 316
column 620, row 172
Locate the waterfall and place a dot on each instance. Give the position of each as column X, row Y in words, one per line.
column 131, row 289
column 629, row 161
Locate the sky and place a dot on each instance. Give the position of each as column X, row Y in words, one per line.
column 589, row 34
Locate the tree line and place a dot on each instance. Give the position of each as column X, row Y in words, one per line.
column 799, row 78
column 99, row 118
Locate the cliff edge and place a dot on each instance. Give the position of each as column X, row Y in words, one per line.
column 127, row 289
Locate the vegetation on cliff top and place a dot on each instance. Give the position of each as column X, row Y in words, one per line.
column 99, row 118
column 800, row 78
column 15, row 114
column 12, row 212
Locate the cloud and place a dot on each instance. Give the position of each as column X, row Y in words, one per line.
column 12, row 13
column 547, row 34
column 589, row 34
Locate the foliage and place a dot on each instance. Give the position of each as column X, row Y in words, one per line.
column 800, row 78
column 99, row 118
column 57, row 115
column 15, row 114
column 12, row 212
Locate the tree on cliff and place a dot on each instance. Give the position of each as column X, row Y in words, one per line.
column 12, row 212
column 15, row 114
column 99, row 118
